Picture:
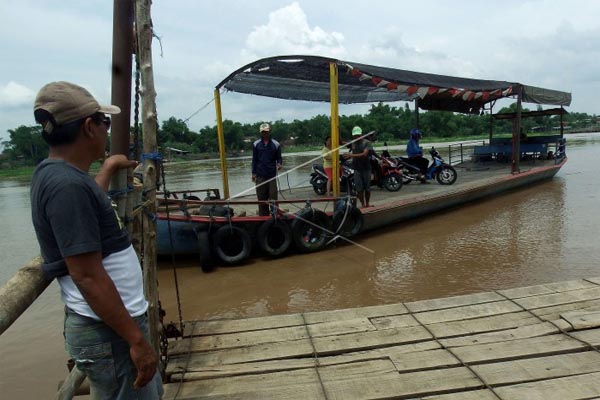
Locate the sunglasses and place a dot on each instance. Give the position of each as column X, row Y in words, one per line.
column 106, row 121
column 100, row 118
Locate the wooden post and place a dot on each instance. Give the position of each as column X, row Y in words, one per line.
column 335, row 128
column 121, row 96
column 149, row 127
column 222, row 149
column 20, row 292
column 417, row 113
column 491, row 122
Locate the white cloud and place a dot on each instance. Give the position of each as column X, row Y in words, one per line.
column 14, row 94
column 288, row 32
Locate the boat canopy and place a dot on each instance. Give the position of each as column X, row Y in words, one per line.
column 296, row 77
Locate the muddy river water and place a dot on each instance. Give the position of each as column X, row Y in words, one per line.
column 544, row 233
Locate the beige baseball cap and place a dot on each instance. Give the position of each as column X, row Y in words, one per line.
column 67, row 102
column 264, row 127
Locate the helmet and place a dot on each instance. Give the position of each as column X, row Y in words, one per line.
column 415, row 132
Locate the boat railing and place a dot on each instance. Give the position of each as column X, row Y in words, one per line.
column 459, row 153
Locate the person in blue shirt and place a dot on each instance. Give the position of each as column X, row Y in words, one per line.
column 415, row 153
column 266, row 161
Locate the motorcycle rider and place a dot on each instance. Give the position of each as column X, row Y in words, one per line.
column 362, row 166
column 415, row 154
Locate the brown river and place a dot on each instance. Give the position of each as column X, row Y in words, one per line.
column 544, row 233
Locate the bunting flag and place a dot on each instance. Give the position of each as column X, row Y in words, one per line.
column 424, row 91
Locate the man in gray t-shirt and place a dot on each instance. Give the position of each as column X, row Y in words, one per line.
column 361, row 148
column 85, row 246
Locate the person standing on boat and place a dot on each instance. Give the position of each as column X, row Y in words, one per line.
column 415, row 154
column 361, row 148
column 266, row 161
column 327, row 163
column 86, row 247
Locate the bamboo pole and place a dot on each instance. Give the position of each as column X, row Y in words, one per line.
column 72, row 386
column 335, row 128
column 149, row 126
column 222, row 150
column 20, row 292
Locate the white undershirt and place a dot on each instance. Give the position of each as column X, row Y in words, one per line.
column 124, row 269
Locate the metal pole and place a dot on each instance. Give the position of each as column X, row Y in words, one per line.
column 491, row 122
column 222, row 150
column 516, row 137
column 335, row 128
column 417, row 113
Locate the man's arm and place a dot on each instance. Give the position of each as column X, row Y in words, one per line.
column 279, row 159
column 110, row 166
column 100, row 292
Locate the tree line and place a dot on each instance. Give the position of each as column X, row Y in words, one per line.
column 26, row 146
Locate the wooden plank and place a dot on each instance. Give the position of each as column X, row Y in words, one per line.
column 243, row 339
column 354, row 313
column 519, row 348
column 533, row 369
column 295, row 385
column 554, row 312
column 408, row 385
column 572, row 296
column 470, row 395
column 569, row 388
column 370, row 340
column 211, row 327
column 197, row 364
column 394, row 321
column 450, row 302
column 467, row 312
column 484, row 324
column 582, row 319
column 528, row 331
column 424, row 360
column 595, row 280
column 591, row 336
column 546, row 288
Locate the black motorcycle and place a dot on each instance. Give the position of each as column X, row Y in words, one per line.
column 439, row 170
column 318, row 178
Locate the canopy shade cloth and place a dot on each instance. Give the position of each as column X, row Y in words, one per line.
column 308, row 78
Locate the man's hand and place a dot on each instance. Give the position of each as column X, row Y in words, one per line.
column 111, row 165
column 346, row 156
column 145, row 362
column 278, row 167
column 253, row 178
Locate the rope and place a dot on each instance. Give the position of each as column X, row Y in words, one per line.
column 117, row 193
column 175, row 277
column 315, row 356
column 136, row 112
column 198, row 110
column 187, row 361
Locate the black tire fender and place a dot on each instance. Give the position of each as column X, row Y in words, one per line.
column 274, row 237
column 310, row 230
column 207, row 262
column 347, row 222
column 232, row 244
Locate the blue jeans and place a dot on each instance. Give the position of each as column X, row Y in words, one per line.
column 104, row 357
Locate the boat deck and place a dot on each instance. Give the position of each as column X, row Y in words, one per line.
column 470, row 174
column 537, row 342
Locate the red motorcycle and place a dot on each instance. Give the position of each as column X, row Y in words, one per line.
column 386, row 172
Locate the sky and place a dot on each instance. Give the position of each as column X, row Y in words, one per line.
column 548, row 43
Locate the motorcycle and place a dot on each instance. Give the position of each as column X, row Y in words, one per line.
column 386, row 172
column 318, row 178
column 439, row 170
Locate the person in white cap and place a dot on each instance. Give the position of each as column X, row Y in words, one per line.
column 86, row 247
column 266, row 161
column 362, row 167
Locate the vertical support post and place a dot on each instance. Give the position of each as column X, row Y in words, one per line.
column 516, row 135
column 149, row 126
column 417, row 113
column 335, row 128
column 222, row 150
column 121, row 96
column 562, row 112
column 491, row 122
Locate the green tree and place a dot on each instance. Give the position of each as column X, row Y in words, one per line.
column 26, row 143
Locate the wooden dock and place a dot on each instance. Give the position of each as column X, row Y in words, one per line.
column 537, row 342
